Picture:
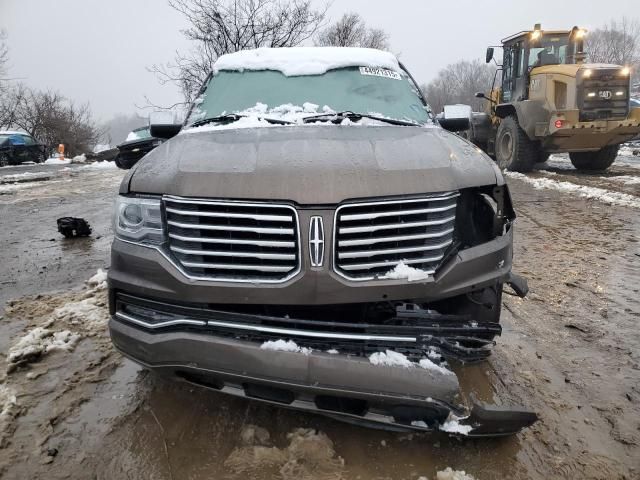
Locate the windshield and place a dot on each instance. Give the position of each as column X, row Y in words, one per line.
column 357, row 89
column 550, row 50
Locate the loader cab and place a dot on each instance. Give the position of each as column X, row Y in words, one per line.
column 530, row 49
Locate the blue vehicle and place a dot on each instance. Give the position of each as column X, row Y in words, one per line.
column 18, row 147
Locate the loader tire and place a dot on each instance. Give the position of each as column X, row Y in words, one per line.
column 595, row 161
column 514, row 150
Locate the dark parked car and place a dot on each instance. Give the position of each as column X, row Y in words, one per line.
column 18, row 147
column 313, row 237
column 138, row 143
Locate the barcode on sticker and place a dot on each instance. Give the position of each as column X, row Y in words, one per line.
column 380, row 72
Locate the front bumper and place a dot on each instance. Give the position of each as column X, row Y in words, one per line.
column 348, row 387
column 577, row 136
column 148, row 272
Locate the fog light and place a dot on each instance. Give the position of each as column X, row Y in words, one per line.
column 559, row 123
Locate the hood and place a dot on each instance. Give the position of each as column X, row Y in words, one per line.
column 311, row 164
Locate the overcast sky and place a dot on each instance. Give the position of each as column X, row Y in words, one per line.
column 98, row 50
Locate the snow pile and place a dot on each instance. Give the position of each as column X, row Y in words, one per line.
column 624, row 179
column 284, row 346
column 390, row 359
column 306, row 60
column 38, row 342
column 452, row 425
column 99, row 280
column 402, row 271
column 79, row 159
column 601, row 194
column 89, row 313
column 429, row 365
column 102, row 165
column 450, row 474
column 57, row 161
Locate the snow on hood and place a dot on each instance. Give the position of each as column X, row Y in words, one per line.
column 293, row 61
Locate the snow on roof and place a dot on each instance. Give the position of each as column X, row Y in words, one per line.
column 292, row 61
column 11, row 132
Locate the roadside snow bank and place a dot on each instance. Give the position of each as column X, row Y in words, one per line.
column 403, row 271
column 284, row 346
column 601, row 194
column 102, row 165
column 57, row 161
column 8, row 401
column 306, row 60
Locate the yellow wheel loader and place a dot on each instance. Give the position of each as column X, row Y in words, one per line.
column 549, row 100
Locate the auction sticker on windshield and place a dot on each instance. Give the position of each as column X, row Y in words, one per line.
column 380, row 72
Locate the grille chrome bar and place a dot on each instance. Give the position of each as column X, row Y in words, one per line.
column 373, row 253
column 224, row 266
column 233, row 241
column 369, row 216
column 267, row 218
column 227, row 228
column 218, row 253
column 390, row 226
column 260, row 243
column 371, row 241
column 372, row 238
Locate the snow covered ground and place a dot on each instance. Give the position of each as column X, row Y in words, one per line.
column 616, row 186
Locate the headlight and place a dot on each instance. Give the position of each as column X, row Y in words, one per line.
column 139, row 220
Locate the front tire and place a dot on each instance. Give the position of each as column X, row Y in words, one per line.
column 595, row 161
column 4, row 160
column 514, row 150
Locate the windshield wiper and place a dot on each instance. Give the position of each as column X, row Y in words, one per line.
column 234, row 117
column 338, row 117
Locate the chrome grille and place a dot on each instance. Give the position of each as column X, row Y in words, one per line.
column 372, row 238
column 233, row 241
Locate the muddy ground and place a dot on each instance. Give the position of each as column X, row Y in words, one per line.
column 570, row 351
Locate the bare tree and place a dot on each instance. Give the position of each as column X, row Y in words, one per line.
column 351, row 31
column 224, row 26
column 4, row 57
column 618, row 42
column 51, row 118
column 458, row 83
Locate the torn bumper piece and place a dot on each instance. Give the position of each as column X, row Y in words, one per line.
column 340, row 385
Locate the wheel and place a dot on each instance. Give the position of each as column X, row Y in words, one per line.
column 594, row 161
column 514, row 150
column 4, row 160
column 542, row 157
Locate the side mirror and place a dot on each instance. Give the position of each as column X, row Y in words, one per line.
column 163, row 125
column 456, row 118
column 489, row 56
column 480, row 95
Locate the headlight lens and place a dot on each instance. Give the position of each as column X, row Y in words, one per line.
column 139, row 220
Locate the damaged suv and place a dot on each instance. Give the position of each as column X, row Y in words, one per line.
column 312, row 237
